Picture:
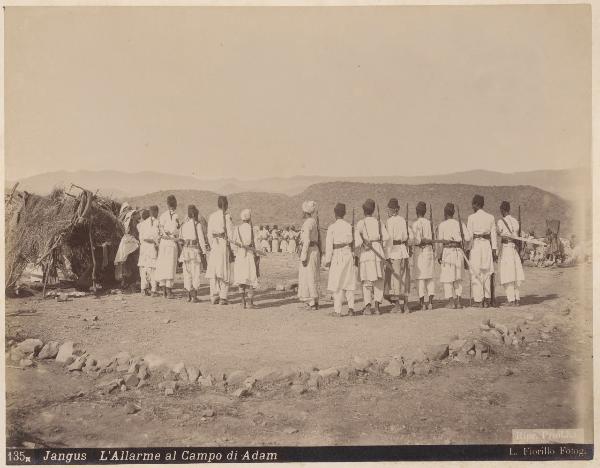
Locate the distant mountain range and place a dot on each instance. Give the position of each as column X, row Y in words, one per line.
column 567, row 183
column 268, row 208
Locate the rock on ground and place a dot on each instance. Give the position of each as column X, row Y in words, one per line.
column 49, row 351
column 30, row 345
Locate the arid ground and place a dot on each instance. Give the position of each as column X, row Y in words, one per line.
column 544, row 382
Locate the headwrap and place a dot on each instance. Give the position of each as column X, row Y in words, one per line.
column 340, row 210
column 505, row 206
column 421, row 208
column 393, row 204
column 309, row 207
column 369, row 206
column 124, row 207
column 478, row 201
column 245, row 214
column 449, row 209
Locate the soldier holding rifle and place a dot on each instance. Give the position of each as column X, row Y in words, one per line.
column 511, row 269
column 310, row 258
column 191, row 237
column 423, row 257
column 397, row 287
column 220, row 261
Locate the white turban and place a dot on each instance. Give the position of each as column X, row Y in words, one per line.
column 309, row 207
column 245, row 215
column 125, row 206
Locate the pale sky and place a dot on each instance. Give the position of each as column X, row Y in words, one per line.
column 262, row 92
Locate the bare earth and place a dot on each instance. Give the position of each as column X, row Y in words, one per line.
column 458, row 403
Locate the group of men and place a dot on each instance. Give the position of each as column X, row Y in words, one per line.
column 277, row 240
column 373, row 254
column 376, row 255
column 225, row 251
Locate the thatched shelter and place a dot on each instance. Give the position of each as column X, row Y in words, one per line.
column 54, row 230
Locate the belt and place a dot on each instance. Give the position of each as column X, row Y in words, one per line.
column 482, row 236
column 313, row 244
column 507, row 241
column 452, row 245
column 341, row 246
column 190, row 242
column 219, row 236
column 399, row 242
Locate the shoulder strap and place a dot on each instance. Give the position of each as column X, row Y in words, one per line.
column 507, row 226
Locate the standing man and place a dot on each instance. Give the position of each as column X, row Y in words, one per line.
column 166, row 262
column 511, row 270
column 397, row 290
column 371, row 238
column 339, row 258
column 194, row 247
column 149, row 238
column 483, row 254
column 246, row 274
column 292, row 240
column 451, row 256
column 275, row 239
column 310, row 258
column 423, row 257
column 220, row 261
column 283, row 245
column 263, row 239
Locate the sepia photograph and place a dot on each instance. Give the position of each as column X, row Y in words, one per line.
column 298, row 233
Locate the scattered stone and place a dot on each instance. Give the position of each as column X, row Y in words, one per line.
column 315, row 381
column 134, row 367
column 327, row 375
column 30, row 345
column 395, row 369
column 346, row 372
column 193, row 373
column 143, row 372
column 181, row 372
column 123, row 359
column 280, row 287
column 501, row 328
column 360, row 364
column 123, row 388
column 142, row 383
column 166, row 321
column 507, row 371
column 455, row 346
column 241, row 393
column 130, row 408
column 545, row 353
column 236, row 378
column 290, row 430
column 131, row 380
column 206, row 381
column 545, row 336
column 298, row 389
column 77, row 364
column 26, row 363
column 267, row 375
column 208, row 413
column 16, row 355
column 437, row 352
column 65, row 351
column 169, row 384
column 422, row 368
column 566, row 311
column 169, row 391
column 153, row 361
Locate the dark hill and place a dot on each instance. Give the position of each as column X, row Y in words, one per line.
column 536, row 205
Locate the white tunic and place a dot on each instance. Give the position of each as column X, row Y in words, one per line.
column 397, row 229
column 308, row 276
column 166, row 262
column 263, row 239
column 342, row 272
column 482, row 223
column 452, row 257
column 371, row 266
column 191, row 253
column 245, row 266
column 510, row 262
column 422, row 256
column 149, row 237
column 219, row 265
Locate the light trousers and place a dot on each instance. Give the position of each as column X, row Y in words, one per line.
column 373, row 290
column 426, row 287
column 338, row 300
column 191, row 275
column 512, row 291
column 453, row 289
column 481, row 288
column 219, row 288
column 147, row 278
column 168, row 283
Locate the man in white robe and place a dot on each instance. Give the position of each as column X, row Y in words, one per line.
column 371, row 238
column 194, row 247
column 483, row 252
column 245, row 271
column 339, row 258
column 511, row 269
column 451, row 257
column 292, row 240
column 310, row 259
column 166, row 262
column 397, row 275
column 423, row 258
column 149, row 238
column 220, row 261
column 275, row 235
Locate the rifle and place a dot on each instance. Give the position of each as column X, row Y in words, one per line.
column 253, row 245
column 407, row 233
column 353, row 252
column 229, row 252
column 519, row 245
column 379, row 227
column 378, row 255
column 462, row 244
column 431, row 223
column 318, row 234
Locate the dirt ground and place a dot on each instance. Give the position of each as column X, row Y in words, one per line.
column 458, row 403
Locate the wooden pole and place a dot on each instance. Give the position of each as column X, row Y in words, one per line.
column 46, row 277
column 12, row 192
column 93, row 256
